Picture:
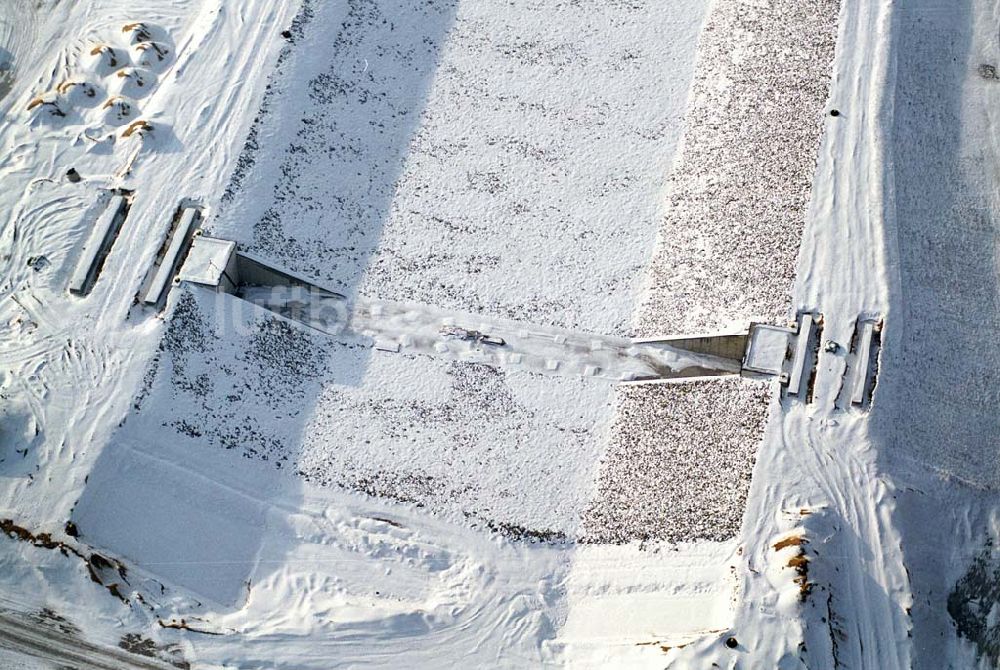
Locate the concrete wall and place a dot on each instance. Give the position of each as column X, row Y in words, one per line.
column 252, row 271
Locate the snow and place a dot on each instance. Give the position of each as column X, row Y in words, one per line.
column 191, row 479
column 285, row 497
column 446, row 165
column 13, row 660
column 207, row 261
column 621, row 614
column 164, row 526
column 945, row 248
column 943, row 290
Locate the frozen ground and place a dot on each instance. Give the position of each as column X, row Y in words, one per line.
column 896, row 508
column 181, row 461
column 940, row 438
column 505, row 162
column 254, row 494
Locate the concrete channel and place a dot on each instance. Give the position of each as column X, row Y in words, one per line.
column 394, row 327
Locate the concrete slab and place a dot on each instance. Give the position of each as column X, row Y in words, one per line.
column 767, row 349
column 98, row 244
column 178, row 241
column 799, row 359
column 210, row 262
column 863, row 361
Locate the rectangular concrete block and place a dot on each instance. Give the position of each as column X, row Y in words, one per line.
column 801, row 354
column 178, row 242
column 862, row 364
column 97, row 246
column 211, row 262
column 766, row 349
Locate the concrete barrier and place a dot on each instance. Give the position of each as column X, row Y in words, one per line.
column 179, row 242
column 868, row 335
column 800, row 358
column 731, row 346
column 253, row 271
column 98, row 245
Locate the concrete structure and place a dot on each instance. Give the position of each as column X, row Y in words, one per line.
column 803, row 350
column 211, row 262
column 253, row 271
column 767, row 350
column 761, row 351
column 179, row 242
column 730, row 346
column 866, row 348
column 98, row 244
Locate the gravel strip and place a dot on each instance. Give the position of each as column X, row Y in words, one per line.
column 680, row 459
column 737, row 199
column 679, row 465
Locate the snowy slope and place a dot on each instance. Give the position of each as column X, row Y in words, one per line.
column 503, row 162
column 214, row 485
column 169, row 458
column 897, row 546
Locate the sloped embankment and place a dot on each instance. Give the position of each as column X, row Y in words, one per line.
column 727, row 251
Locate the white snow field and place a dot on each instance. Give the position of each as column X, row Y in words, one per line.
column 207, row 484
column 508, row 162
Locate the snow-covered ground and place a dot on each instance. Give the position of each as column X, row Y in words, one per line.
column 509, row 162
column 939, row 437
column 190, row 447
column 895, row 509
column 725, row 254
column 214, row 486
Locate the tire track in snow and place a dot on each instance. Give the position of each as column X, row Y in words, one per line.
column 814, row 455
column 19, row 634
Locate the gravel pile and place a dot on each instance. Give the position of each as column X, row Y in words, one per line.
column 243, row 389
column 509, row 161
column 681, row 456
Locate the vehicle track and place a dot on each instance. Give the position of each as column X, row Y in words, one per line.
column 21, row 634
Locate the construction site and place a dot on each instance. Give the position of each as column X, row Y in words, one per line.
column 589, row 335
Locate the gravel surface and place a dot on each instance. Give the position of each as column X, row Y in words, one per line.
column 678, row 467
column 512, row 162
column 507, row 160
column 737, row 197
column 680, row 459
